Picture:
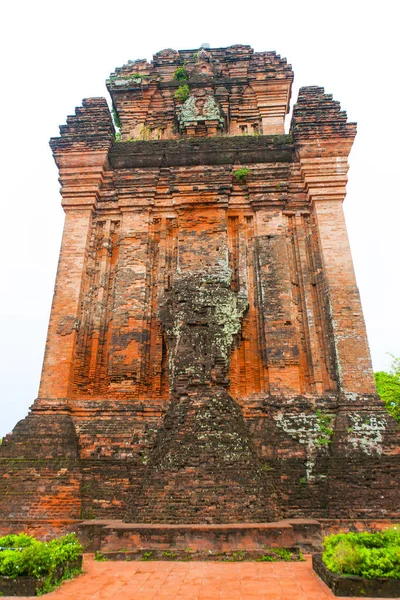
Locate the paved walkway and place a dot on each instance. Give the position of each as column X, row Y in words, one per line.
column 194, row 581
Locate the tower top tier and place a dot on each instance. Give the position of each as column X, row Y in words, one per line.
column 201, row 93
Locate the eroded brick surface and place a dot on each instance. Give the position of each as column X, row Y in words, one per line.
column 206, row 359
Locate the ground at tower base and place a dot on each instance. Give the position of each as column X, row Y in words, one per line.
column 207, row 374
column 195, row 581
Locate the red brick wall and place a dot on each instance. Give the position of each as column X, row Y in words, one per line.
column 161, row 235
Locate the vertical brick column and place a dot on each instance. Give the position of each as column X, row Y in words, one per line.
column 273, row 103
column 81, row 156
column 323, row 140
column 282, row 352
column 65, row 311
column 351, row 346
column 130, row 328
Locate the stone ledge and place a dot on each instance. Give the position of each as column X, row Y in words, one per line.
column 188, row 554
column 113, row 536
column 202, row 151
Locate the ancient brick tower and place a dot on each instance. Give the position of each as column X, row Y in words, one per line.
column 206, row 359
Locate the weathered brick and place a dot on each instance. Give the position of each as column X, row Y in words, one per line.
column 206, row 359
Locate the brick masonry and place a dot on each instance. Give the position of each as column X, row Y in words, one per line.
column 206, row 359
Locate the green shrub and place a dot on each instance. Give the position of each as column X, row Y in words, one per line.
column 182, row 93
column 13, row 540
column 28, row 556
column 368, row 555
column 180, row 74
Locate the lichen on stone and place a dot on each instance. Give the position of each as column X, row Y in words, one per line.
column 201, row 315
column 305, row 429
column 365, row 432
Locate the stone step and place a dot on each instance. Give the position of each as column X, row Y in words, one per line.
column 116, row 536
column 189, row 554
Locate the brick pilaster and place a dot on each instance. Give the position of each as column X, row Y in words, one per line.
column 81, row 155
column 323, row 140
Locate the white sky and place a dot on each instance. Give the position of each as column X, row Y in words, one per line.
column 54, row 54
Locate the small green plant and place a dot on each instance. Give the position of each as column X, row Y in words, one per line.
column 168, row 554
column 99, row 556
column 267, row 558
column 180, row 74
column 147, row 555
column 266, row 467
column 187, row 554
column 303, row 480
column 116, row 118
column 145, row 132
column 323, row 441
column 241, row 174
column 182, row 93
column 276, row 554
column 324, row 427
column 283, row 553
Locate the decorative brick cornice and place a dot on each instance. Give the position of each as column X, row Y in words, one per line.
column 90, row 128
column 81, row 152
column 318, row 119
column 323, row 140
column 325, row 178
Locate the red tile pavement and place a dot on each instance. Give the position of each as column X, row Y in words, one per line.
column 194, row 581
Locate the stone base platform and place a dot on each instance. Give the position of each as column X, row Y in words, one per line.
column 114, row 536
